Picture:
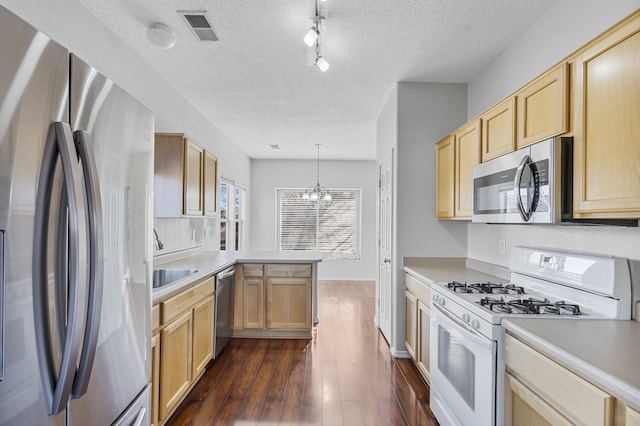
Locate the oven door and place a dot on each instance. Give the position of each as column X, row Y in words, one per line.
column 463, row 369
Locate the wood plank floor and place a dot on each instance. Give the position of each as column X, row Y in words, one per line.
column 344, row 375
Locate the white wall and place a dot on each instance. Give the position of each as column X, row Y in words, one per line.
column 71, row 25
column 267, row 175
column 567, row 26
column 414, row 118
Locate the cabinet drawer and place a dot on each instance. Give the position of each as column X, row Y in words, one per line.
column 573, row 396
column 173, row 307
column 288, row 270
column 421, row 290
column 250, row 270
column 155, row 317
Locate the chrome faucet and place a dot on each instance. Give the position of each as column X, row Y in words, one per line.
column 156, row 241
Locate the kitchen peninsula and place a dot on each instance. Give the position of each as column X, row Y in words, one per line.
column 206, row 263
column 275, row 296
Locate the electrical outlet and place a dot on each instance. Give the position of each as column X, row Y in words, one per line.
column 193, row 235
column 502, row 246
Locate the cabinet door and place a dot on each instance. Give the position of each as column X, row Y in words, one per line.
column 467, row 155
column 253, row 303
column 410, row 322
column 203, row 324
column 210, row 183
column 524, row 408
column 424, row 318
column 445, row 178
column 193, row 178
column 175, row 367
column 606, row 128
column 498, row 129
column 289, row 303
column 543, row 107
column 155, row 378
column 632, row 417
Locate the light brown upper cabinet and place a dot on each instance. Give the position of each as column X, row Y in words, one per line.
column 185, row 177
column 193, row 178
column 499, row 129
column 455, row 157
column 606, row 85
column 210, row 183
column 467, row 155
column 445, row 167
column 543, row 107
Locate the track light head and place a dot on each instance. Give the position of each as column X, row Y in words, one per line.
column 322, row 63
column 312, row 36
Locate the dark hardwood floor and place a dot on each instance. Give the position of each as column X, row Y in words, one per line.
column 344, row 375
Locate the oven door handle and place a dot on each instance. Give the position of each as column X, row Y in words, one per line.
column 470, row 333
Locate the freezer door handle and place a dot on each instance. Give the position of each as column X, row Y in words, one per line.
column 57, row 382
column 2, row 302
column 96, row 259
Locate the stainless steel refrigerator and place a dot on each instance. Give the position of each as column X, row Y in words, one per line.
column 76, row 173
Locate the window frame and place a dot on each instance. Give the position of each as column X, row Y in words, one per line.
column 325, row 254
column 230, row 220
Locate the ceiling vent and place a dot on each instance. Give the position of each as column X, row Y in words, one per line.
column 200, row 24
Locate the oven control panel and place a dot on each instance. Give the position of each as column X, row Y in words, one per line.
column 553, row 262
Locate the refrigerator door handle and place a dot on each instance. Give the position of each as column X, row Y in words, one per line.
column 60, row 145
column 2, row 296
column 96, row 259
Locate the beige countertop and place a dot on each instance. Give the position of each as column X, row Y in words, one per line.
column 605, row 352
column 447, row 269
column 208, row 262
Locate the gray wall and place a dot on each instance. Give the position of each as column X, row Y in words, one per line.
column 267, row 175
column 414, row 118
column 567, row 26
column 71, row 25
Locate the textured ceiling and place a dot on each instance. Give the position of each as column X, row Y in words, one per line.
column 258, row 85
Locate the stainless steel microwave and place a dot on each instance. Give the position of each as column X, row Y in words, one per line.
column 530, row 185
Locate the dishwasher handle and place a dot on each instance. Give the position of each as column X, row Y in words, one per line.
column 227, row 273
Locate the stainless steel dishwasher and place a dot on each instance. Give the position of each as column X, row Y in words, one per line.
column 225, row 291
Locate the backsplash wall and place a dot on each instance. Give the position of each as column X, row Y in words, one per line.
column 185, row 233
column 484, row 240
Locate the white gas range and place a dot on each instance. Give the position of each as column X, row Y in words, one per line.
column 467, row 360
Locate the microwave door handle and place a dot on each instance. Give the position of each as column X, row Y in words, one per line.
column 524, row 214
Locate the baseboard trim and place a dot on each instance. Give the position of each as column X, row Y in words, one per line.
column 399, row 354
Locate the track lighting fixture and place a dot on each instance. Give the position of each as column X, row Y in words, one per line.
column 312, row 38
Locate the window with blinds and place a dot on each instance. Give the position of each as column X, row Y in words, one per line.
column 332, row 228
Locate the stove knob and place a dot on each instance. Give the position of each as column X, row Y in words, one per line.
column 442, row 300
column 435, row 298
column 466, row 317
column 475, row 324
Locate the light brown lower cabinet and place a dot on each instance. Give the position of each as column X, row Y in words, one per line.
column 155, row 378
column 524, row 408
column 183, row 346
column 424, row 334
column 417, row 323
column 274, row 300
column 410, row 322
column 203, row 330
column 175, row 362
column 539, row 391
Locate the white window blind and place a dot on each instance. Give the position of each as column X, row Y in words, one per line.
column 332, row 228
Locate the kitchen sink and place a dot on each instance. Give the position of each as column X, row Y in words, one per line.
column 162, row 277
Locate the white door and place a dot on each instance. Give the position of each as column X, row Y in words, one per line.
column 385, row 280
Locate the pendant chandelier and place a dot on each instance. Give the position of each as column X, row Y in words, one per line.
column 317, row 192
